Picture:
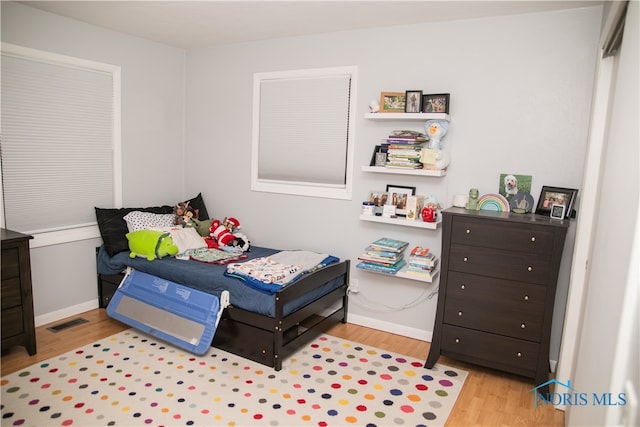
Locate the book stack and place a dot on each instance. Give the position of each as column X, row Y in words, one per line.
column 385, row 255
column 404, row 148
column 422, row 262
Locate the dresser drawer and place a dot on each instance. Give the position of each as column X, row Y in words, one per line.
column 498, row 306
column 496, row 351
column 10, row 262
column 11, row 292
column 501, row 235
column 530, row 268
column 12, row 323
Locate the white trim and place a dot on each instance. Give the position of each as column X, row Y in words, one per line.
column 392, row 328
column 73, row 310
column 301, row 188
column 50, row 238
column 589, row 206
column 82, row 232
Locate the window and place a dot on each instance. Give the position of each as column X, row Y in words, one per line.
column 303, row 132
column 60, row 143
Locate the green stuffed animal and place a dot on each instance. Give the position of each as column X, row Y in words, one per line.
column 151, row 244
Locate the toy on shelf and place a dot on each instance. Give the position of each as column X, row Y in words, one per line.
column 433, row 157
column 472, row 204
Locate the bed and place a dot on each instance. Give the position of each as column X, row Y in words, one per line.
column 259, row 325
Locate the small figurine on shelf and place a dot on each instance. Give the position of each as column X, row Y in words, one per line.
column 433, row 157
column 430, row 210
column 472, row 204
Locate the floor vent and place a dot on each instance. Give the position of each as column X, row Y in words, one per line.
column 66, row 325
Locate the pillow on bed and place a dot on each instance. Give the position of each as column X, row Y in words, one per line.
column 113, row 228
column 138, row 220
column 198, row 204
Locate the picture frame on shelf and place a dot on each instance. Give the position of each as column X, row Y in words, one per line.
column 379, row 199
column 397, row 195
column 379, row 153
column 413, row 101
column 558, row 211
column 392, row 102
column 436, row 103
column 550, row 196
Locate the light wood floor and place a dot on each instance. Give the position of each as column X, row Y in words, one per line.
column 488, row 398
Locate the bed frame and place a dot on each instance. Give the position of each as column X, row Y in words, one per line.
column 270, row 340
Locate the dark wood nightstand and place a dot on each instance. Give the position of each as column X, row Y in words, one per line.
column 18, row 327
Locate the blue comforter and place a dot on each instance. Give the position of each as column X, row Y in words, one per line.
column 211, row 278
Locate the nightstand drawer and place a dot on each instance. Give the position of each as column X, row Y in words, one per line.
column 499, row 235
column 530, row 268
column 496, row 351
column 12, row 323
column 11, row 292
column 10, row 263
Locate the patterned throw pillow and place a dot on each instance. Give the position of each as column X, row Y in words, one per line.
column 138, row 220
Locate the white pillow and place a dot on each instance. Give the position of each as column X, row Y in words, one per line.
column 138, row 220
column 187, row 238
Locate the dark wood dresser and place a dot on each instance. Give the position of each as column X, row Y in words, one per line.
column 18, row 326
column 497, row 289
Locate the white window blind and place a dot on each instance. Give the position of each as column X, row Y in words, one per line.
column 59, row 126
column 302, row 133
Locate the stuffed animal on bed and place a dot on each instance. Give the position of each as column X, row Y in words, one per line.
column 151, row 244
column 184, row 215
column 225, row 235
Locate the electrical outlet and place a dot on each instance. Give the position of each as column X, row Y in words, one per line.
column 354, row 286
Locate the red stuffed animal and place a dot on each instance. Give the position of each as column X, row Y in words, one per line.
column 221, row 233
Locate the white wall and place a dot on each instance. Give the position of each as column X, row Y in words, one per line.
column 520, row 89
column 608, row 343
column 520, row 98
column 64, row 280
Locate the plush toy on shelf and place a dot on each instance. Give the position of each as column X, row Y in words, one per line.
column 433, row 157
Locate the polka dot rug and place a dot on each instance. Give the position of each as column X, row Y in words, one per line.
column 132, row 379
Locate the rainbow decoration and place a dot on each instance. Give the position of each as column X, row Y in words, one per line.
column 493, row 202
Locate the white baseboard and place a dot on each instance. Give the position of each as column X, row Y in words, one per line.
column 392, row 328
column 66, row 312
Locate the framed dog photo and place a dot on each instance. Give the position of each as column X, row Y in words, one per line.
column 413, row 102
column 511, row 184
column 437, row 103
column 398, row 197
column 392, row 102
column 550, row 196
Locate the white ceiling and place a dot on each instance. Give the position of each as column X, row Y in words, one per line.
column 191, row 24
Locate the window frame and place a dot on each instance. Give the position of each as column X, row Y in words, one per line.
column 88, row 230
column 342, row 192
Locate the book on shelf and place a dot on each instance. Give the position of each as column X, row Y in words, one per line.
column 388, row 244
column 390, row 269
column 424, row 274
column 372, row 258
column 422, row 258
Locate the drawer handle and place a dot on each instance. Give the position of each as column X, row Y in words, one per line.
column 533, row 238
column 519, row 354
column 462, row 287
column 468, row 231
column 460, row 314
column 457, row 340
column 526, row 297
column 529, row 268
column 465, row 259
column 522, row 326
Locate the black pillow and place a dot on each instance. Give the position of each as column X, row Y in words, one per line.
column 198, row 204
column 113, row 227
